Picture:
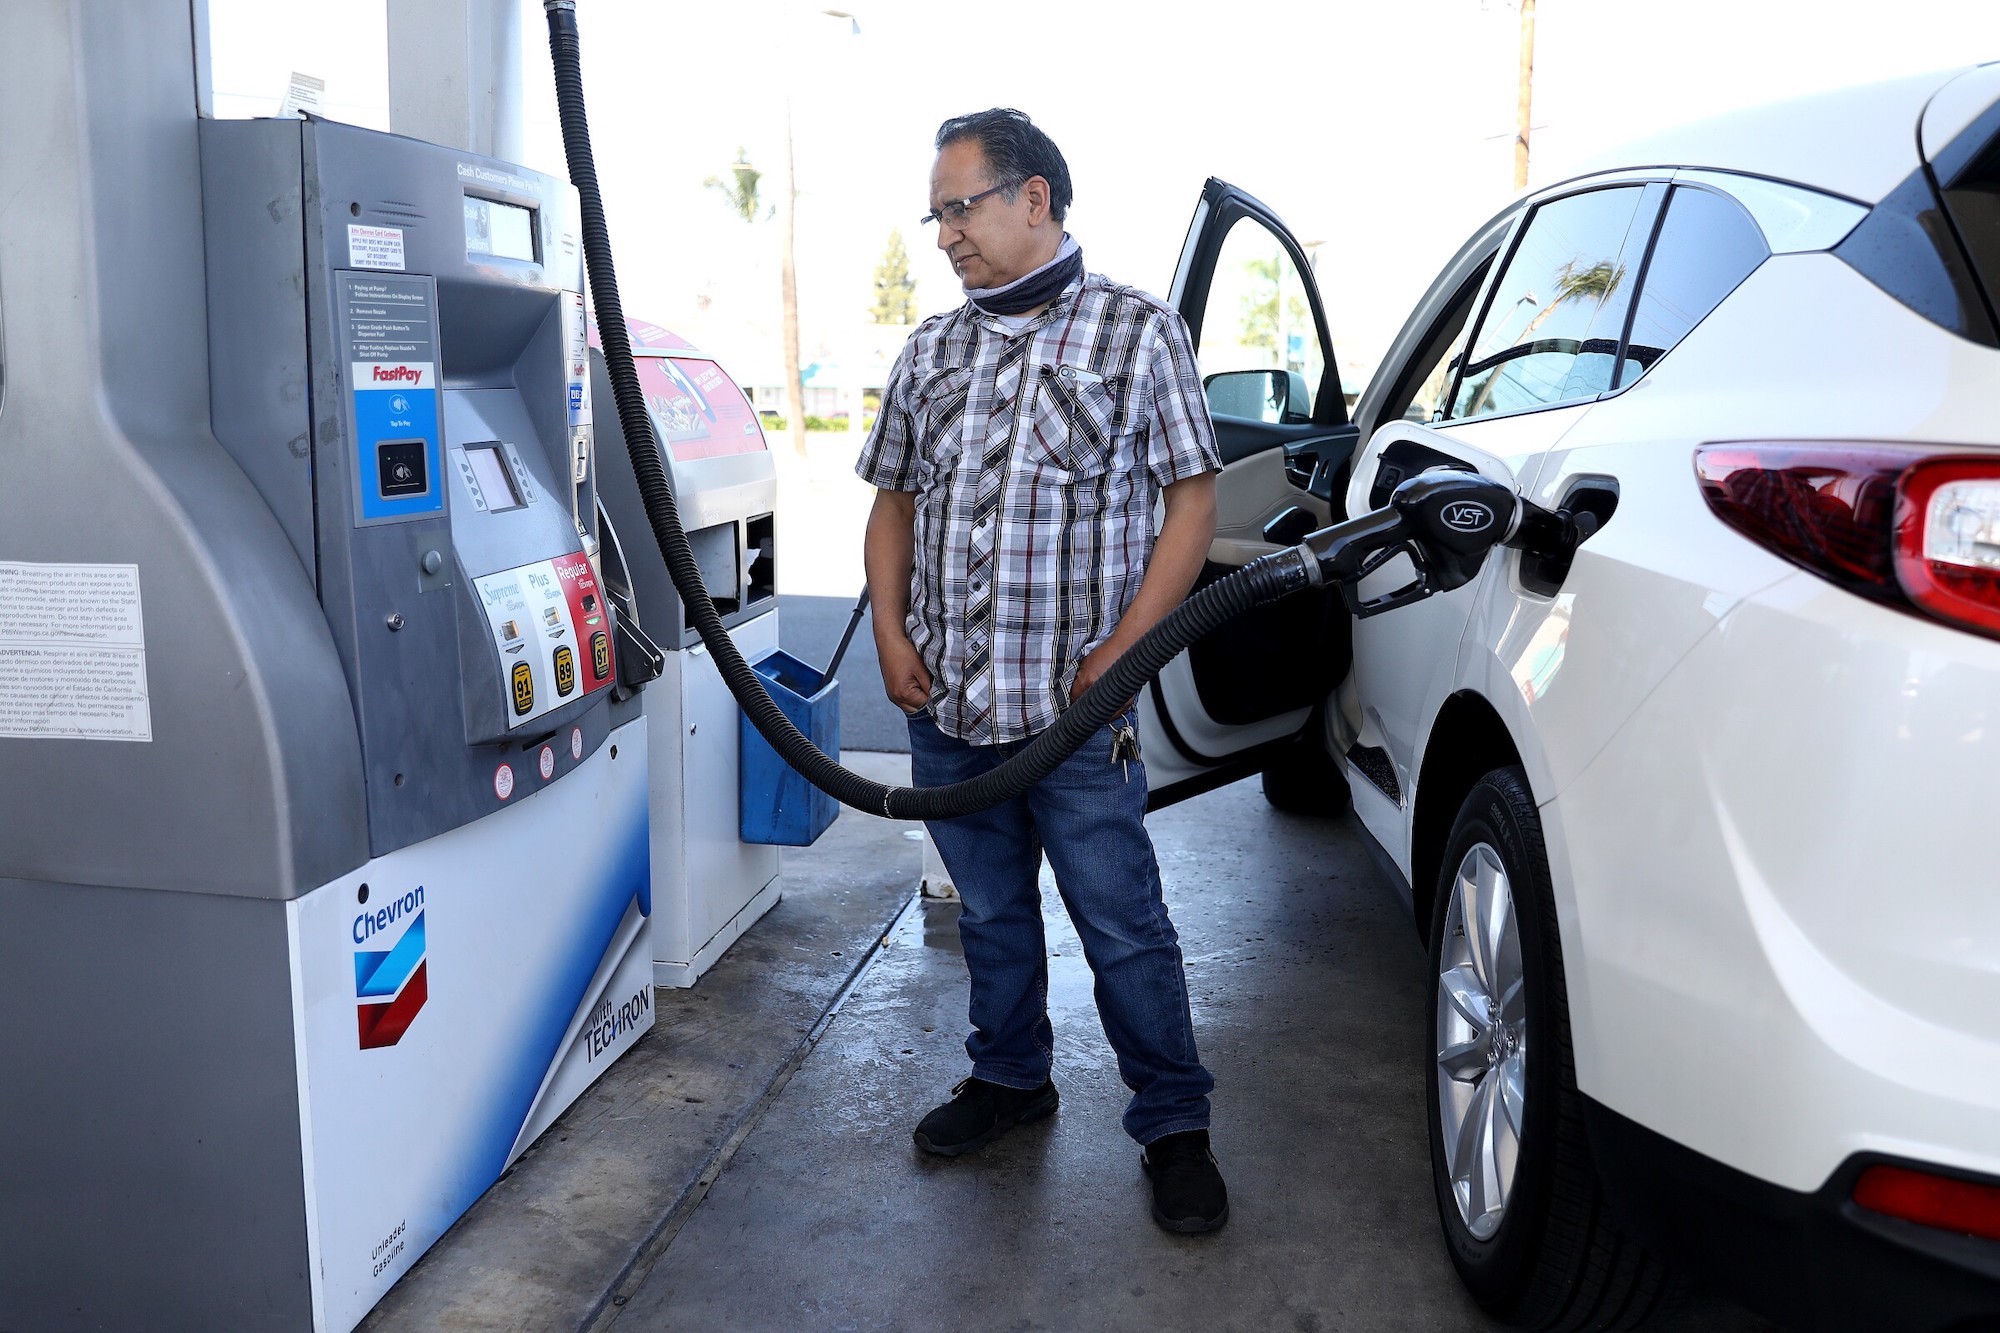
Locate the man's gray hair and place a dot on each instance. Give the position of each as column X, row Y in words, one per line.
column 1015, row 150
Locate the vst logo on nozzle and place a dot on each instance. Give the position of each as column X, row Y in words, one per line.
column 1468, row 516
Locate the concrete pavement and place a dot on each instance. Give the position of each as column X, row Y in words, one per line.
column 1307, row 984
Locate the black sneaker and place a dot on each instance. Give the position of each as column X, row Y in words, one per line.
column 979, row 1112
column 1188, row 1193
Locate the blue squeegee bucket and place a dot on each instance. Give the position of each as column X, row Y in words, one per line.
column 776, row 806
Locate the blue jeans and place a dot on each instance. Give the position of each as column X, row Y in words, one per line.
column 1089, row 816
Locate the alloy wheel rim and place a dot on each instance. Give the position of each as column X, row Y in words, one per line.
column 1482, row 1041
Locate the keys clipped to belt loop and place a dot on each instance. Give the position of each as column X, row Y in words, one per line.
column 1125, row 747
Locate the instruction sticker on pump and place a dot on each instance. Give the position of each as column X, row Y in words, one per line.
column 389, row 324
column 552, row 632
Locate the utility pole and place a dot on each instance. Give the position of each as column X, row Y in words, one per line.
column 1526, row 94
column 795, row 407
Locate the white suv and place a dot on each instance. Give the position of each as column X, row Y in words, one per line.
column 1691, row 818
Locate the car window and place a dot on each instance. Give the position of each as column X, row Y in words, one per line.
column 1707, row 245
column 1552, row 328
column 1419, row 395
column 1258, row 315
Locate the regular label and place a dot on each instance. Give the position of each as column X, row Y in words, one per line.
column 374, row 247
column 73, row 653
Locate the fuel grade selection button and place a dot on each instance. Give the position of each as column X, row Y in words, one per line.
column 524, row 689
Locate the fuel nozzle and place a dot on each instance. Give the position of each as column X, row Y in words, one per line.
column 1453, row 519
column 1444, row 520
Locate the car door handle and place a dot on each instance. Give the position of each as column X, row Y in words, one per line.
column 1315, row 465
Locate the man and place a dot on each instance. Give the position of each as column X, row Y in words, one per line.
column 1023, row 441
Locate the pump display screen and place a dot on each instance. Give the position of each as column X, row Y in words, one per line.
column 496, row 483
column 494, row 228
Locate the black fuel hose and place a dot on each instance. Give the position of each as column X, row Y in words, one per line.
column 1265, row 580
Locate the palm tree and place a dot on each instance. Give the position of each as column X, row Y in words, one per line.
column 1595, row 283
column 742, row 193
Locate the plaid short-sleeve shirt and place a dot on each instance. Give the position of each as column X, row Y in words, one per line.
column 1036, row 458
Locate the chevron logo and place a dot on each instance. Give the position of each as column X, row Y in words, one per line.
column 391, row 987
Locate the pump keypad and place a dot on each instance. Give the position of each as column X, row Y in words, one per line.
column 540, row 616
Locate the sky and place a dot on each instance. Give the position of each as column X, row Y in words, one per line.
column 1380, row 130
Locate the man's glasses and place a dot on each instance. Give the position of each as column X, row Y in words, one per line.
column 954, row 213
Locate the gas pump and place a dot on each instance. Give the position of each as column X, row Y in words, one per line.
column 324, row 864
column 709, row 885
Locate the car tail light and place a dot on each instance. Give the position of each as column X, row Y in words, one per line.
column 1897, row 524
column 1948, row 540
column 1949, row 1204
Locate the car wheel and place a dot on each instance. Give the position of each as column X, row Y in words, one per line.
column 1524, row 1215
column 1303, row 779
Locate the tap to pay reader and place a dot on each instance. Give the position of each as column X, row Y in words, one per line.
column 333, row 874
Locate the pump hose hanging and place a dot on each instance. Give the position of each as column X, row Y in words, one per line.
column 1265, row 580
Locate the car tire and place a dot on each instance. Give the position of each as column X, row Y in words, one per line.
column 1528, row 1227
column 1303, row 779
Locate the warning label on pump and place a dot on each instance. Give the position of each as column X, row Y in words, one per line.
column 374, row 247
column 73, row 653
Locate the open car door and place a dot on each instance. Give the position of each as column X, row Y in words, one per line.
column 1234, row 700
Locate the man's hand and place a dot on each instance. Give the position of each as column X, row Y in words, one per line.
column 1094, row 664
column 904, row 677
column 888, row 550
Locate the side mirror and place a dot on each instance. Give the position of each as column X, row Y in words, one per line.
column 1279, row 397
